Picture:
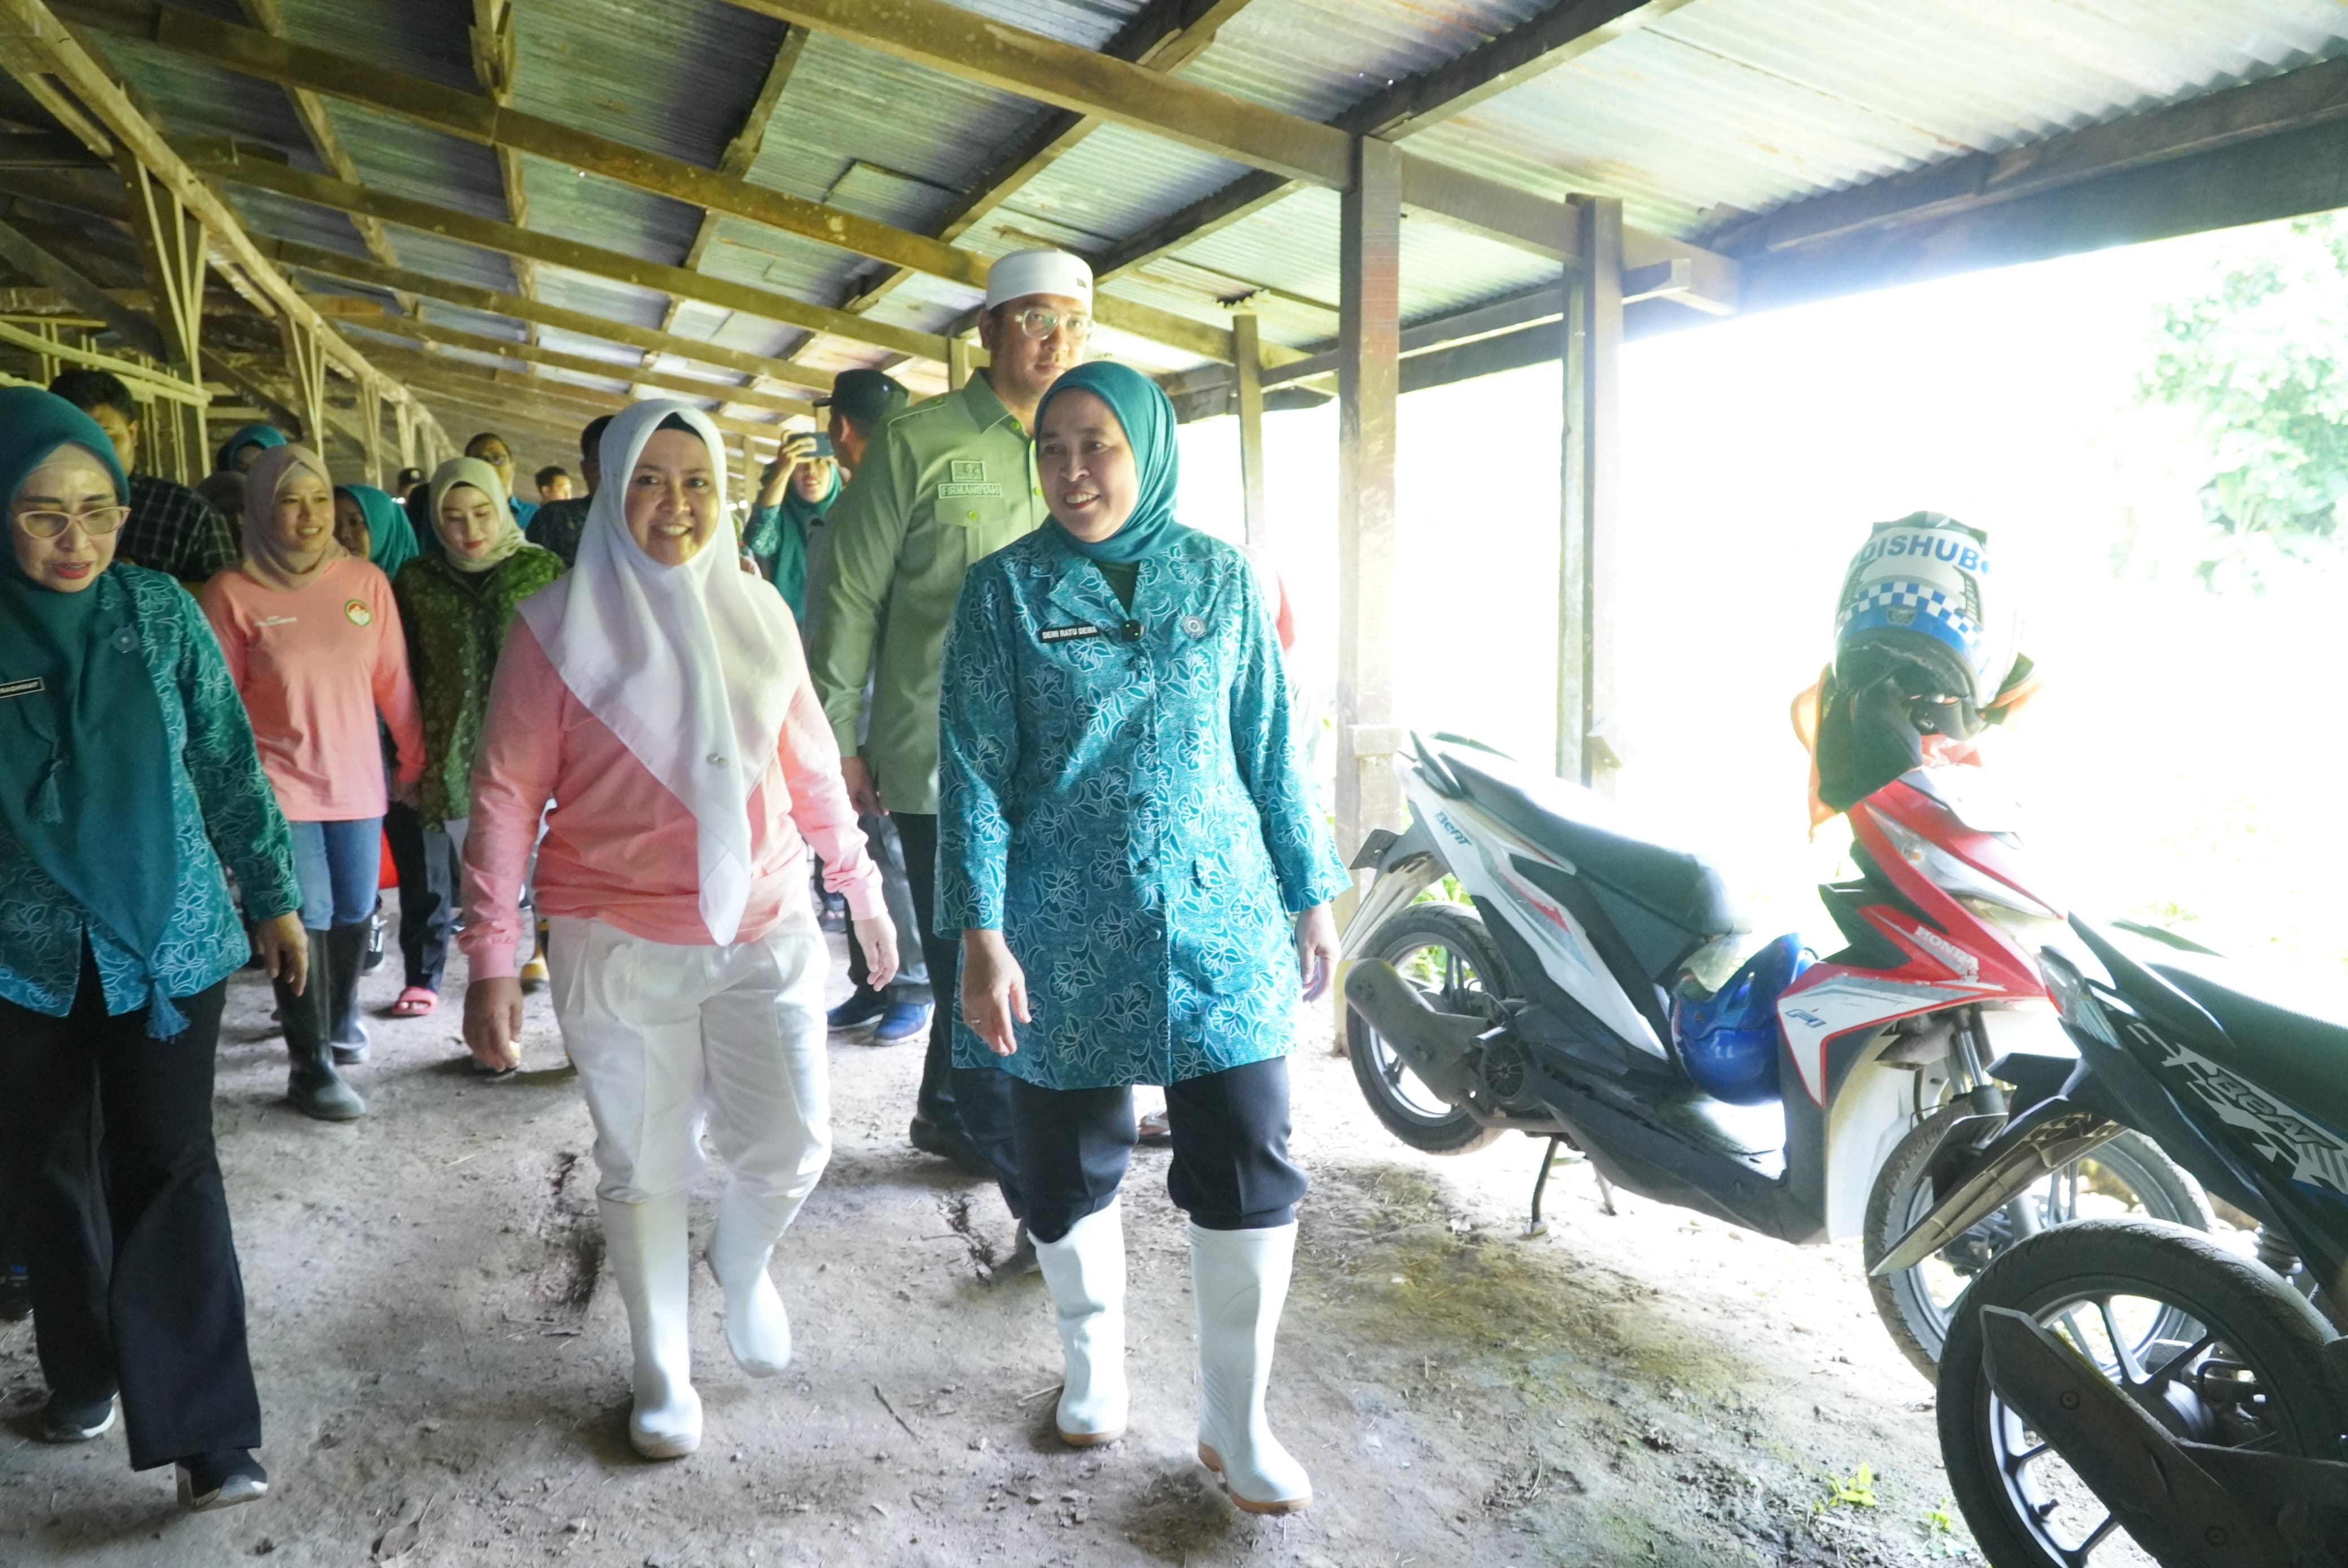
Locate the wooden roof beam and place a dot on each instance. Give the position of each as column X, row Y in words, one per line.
column 476, row 119
column 375, row 275
column 570, row 254
column 1166, row 38
column 456, row 373
column 490, row 42
column 721, row 392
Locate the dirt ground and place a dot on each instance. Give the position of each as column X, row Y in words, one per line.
column 443, row 1367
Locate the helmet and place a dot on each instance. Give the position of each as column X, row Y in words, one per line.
column 1915, row 601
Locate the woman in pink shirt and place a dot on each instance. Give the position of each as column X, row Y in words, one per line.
column 314, row 645
column 659, row 696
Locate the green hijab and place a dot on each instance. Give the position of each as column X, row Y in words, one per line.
column 391, row 543
column 262, row 435
column 85, row 764
column 778, row 539
column 1148, row 421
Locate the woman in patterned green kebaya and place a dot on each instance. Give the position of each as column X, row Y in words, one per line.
column 128, row 777
column 1140, row 877
column 456, row 603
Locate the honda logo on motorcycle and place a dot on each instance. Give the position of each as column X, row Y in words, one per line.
column 1957, row 960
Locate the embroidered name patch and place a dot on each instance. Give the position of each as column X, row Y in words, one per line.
column 23, row 687
column 1068, row 634
column 969, row 489
column 357, row 612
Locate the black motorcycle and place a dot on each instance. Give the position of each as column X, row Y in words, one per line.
column 2118, row 1389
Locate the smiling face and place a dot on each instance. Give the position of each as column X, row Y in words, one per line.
column 72, row 480
column 301, row 523
column 468, row 522
column 1086, row 466
column 672, row 505
column 813, row 479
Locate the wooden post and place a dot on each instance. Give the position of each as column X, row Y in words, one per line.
column 1590, row 498
column 403, row 416
column 171, row 252
column 1244, row 342
column 305, row 367
column 371, row 412
column 1369, row 379
column 957, row 362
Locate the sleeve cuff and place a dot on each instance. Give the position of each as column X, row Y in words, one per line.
column 492, row 961
column 865, row 901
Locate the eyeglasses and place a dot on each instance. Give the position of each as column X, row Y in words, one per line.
column 1041, row 324
column 93, row 521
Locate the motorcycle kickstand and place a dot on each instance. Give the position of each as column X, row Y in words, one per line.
column 1536, row 1225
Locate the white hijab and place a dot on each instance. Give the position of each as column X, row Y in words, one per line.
column 692, row 667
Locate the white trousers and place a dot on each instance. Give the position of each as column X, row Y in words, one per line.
column 668, row 1039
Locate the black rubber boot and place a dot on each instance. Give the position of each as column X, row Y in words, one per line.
column 313, row 1086
column 346, row 952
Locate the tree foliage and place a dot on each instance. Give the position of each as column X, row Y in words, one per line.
column 2261, row 359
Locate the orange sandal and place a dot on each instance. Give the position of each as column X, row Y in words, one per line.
column 415, row 1002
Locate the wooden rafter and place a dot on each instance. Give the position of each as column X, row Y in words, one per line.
column 570, row 254
column 1166, row 38
column 375, row 275
column 538, row 354
column 492, row 44
column 740, row 153
column 519, row 382
column 474, row 117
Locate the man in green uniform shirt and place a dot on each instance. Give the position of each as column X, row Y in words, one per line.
column 946, row 483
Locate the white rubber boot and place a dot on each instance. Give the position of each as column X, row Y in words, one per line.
column 1085, row 1271
column 646, row 1245
column 757, row 1329
column 1239, row 1282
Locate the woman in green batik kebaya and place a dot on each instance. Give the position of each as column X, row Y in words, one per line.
column 1140, row 877
column 457, row 603
column 128, row 779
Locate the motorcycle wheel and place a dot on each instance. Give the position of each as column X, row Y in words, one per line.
column 2128, row 1177
column 1448, row 956
column 2096, row 1283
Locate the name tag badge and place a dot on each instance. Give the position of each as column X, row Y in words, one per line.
column 953, row 491
column 1068, row 634
column 22, row 688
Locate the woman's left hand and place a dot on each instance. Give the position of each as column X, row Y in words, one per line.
column 283, row 949
column 1316, row 950
column 878, row 937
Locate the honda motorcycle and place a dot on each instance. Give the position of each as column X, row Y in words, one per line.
column 2130, row 1390
column 1588, row 991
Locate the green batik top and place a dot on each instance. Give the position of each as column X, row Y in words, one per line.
column 456, row 623
column 947, row 484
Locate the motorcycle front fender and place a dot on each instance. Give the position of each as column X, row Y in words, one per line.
column 1405, row 865
column 2034, row 1145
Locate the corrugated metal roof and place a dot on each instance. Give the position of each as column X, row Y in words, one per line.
column 1714, row 109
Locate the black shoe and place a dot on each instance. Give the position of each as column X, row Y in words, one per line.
column 221, row 1479
column 375, row 940
column 948, row 1143
column 77, row 1421
column 1023, row 1260
column 16, row 1294
column 857, row 1011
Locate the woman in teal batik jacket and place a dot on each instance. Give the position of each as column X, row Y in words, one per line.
column 1140, row 876
column 128, row 775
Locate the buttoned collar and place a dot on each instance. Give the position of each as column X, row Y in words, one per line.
column 985, row 408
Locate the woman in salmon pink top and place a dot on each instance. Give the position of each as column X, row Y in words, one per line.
column 658, row 695
column 313, row 645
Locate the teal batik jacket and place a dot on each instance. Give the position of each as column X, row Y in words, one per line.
column 223, row 810
column 1118, row 794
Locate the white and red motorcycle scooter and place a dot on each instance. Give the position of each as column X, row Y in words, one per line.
column 1589, row 991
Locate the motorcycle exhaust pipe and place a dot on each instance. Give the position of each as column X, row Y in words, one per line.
column 1438, row 1047
column 2034, row 1146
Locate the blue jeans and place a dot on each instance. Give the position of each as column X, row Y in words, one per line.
column 338, row 865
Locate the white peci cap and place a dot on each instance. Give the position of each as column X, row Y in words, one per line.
column 1039, row 271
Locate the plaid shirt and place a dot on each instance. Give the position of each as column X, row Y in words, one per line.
column 172, row 529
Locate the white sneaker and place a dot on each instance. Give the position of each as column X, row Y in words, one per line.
column 1085, row 1271
column 1239, row 1282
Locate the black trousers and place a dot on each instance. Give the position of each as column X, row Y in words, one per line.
column 976, row 1099
column 427, row 863
column 1231, row 1169
column 107, row 1137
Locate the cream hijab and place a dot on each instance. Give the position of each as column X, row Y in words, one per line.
column 481, row 477
column 265, row 561
column 692, row 667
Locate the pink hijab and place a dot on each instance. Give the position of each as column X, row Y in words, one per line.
column 266, row 562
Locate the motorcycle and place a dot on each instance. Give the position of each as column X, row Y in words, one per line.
column 1586, row 988
column 2133, row 1385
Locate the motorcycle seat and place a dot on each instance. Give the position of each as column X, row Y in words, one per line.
column 1675, row 885
column 2292, row 1054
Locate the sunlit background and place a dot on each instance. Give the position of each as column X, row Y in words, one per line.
column 2180, row 766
